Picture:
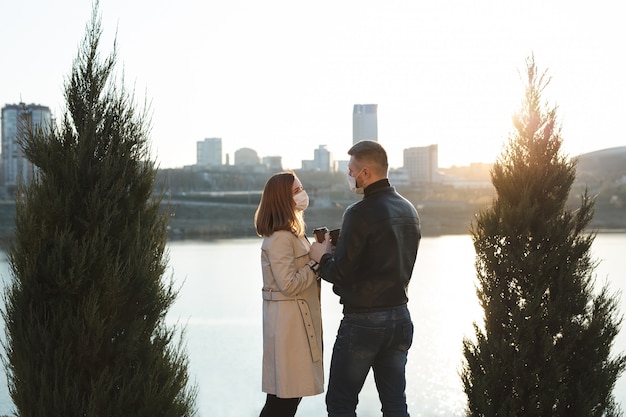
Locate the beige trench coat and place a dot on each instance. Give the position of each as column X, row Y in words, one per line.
column 292, row 318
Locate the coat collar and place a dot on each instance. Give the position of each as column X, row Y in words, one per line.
column 384, row 183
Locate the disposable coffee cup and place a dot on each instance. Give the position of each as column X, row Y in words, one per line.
column 320, row 233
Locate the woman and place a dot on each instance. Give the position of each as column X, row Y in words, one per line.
column 292, row 319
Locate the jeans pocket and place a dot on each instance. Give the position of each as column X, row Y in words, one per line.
column 365, row 342
column 406, row 339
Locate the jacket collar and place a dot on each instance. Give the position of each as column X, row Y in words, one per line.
column 384, row 183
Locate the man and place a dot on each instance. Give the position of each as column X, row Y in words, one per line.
column 370, row 271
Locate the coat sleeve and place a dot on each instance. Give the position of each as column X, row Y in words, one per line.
column 284, row 255
column 339, row 269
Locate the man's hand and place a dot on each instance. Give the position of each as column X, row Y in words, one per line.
column 319, row 249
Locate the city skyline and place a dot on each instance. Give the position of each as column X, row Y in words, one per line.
column 229, row 158
column 283, row 78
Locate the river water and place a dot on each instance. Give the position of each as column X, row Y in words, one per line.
column 220, row 306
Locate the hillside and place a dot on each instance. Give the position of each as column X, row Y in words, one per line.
column 603, row 174
column 603, row 165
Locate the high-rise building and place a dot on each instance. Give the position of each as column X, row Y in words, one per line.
column 364, row 122
column 209, row 152
column 422, row 164
column 273, row 163
column 17, row 121
column 322, row 161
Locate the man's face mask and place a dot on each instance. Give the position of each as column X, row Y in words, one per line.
column 352, row 183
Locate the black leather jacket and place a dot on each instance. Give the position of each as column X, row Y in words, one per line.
column 376, row 251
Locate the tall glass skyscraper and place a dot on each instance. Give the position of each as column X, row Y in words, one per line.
column 364, row 122
column 17, row 120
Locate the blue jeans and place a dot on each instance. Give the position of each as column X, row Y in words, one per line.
column 380, row 341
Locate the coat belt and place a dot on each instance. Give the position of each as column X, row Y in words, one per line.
column 274, row 295
column 270, row 295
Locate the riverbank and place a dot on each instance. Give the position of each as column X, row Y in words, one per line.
column 209, row 219
column 190, row 221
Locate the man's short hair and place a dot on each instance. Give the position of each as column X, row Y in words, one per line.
column 369, row 151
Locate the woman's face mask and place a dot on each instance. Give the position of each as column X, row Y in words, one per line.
column 302, row 200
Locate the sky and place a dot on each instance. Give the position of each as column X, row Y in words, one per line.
column 282, row 76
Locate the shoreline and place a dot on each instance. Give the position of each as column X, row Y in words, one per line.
column 219, row 220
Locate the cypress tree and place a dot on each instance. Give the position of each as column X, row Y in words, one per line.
column 545, row 346
column 85, row 309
